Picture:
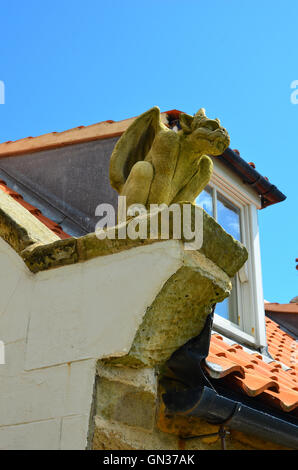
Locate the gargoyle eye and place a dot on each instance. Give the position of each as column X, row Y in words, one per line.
column 211, row 125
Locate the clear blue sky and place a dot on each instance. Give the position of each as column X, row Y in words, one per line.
column 70, row 63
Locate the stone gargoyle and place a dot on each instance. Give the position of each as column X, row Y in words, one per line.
column 152, row 164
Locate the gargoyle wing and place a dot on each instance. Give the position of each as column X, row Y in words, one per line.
column 134, row 145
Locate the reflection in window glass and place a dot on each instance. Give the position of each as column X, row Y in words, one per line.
column 205, row 200
column 228, row 308
column 228, row 216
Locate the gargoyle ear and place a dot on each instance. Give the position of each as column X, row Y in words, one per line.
column 201, row 113
column 186, row 122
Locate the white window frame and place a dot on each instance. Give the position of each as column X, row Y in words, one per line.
column 250, row 301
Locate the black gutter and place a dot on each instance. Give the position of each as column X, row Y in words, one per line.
column 204, row 402
column 269, row 193
column 204, row 397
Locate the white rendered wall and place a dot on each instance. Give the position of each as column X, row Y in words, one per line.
column 55, row 325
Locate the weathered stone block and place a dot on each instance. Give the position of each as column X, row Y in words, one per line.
column 111, row 435
column 116, row 401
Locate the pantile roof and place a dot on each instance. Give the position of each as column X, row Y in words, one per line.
column 281, row 345
column 271, row 380
column 34, row 211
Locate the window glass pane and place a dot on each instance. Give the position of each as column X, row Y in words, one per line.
column 228, row 308
column 205, row 200
column 228, row 216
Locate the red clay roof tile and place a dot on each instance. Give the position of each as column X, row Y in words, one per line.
column 254, row 375
column 283, row 344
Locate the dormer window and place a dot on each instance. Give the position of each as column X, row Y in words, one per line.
column 240, row 316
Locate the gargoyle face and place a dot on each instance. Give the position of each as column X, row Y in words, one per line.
column 206, row 135
column 210, row 137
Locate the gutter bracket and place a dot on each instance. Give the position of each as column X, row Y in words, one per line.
column 222, row 433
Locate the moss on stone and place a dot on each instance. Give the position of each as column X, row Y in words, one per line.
column 14, row 234
column 221, row 248
column 19, row 228
column 53, row 255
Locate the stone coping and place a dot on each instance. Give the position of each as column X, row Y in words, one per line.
column 41, row 249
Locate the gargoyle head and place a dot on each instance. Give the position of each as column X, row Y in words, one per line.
column 206, row 135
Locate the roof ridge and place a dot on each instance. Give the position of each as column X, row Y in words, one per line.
column 101, row 130
column 275, row 307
